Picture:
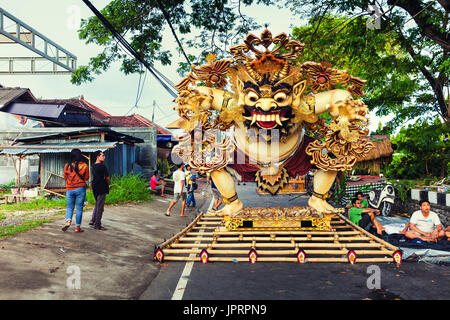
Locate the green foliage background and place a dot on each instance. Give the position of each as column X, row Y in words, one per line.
column 122, row 189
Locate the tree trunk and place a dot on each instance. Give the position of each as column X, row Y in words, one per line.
column 417, row 11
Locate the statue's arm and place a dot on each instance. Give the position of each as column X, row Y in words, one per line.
column 340, row 104
column 324, row 100
column 213, row 98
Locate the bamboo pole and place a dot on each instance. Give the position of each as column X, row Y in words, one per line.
column 279, row 239
column 278, row 245
column 280, row 259
column 276, row 252
column 56, row 193
column 55, row 174
column 278, row 233
column 387, row 244
column 178, row 235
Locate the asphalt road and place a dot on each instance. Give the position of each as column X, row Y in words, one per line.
column 290, row 281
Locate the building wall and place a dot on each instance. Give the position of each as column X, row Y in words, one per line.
column 145, row 153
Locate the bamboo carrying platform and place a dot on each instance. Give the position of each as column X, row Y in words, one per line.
column 207, row 239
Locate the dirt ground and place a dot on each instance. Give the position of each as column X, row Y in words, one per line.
column 46, row 263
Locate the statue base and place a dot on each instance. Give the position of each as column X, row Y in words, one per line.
column 275, row 219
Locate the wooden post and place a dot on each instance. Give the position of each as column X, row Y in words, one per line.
column 41, row 169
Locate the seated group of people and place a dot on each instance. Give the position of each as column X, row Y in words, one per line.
column 424, row 224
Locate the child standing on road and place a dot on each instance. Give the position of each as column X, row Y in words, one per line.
column 192, row 186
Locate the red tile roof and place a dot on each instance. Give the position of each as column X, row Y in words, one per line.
column 102, row 118
column 98, row 116
column 135, row 120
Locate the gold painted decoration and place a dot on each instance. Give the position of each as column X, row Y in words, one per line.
column 213, row 74
column 270, row 90
column 321, row 76
column 282, row 43
column 271, row 219
column 272, row 183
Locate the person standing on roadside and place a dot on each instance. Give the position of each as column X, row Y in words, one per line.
column 179, row 190
column 100, row 188
column 76, row 173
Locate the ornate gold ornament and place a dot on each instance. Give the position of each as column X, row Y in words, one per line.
column 272, row 183
column 271, row 91
column 278, row 219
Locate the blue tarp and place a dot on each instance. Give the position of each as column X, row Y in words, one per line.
column 430, row 252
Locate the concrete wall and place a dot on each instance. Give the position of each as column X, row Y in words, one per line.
column 439, row 202
column 147, row 155
column 410, row 205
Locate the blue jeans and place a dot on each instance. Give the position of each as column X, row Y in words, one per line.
column 75, row 196
column 191, row 199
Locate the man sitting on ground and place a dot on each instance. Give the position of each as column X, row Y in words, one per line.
column 359, row 196
column 364, row 216
column 157, row 184
column 425, row 224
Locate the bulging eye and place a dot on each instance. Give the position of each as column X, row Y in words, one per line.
column 252, row 97
column 280, row 97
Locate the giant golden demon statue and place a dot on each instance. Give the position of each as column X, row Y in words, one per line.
column 275, row 105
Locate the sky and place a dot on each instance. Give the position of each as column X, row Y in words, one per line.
column 111, row 91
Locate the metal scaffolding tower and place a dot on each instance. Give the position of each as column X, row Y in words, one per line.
column 12, row 30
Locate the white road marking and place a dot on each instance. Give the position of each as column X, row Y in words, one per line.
column 184, row 278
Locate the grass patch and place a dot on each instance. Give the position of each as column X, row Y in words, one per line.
column 35, row 204
column 124, row 189
column 7, row 231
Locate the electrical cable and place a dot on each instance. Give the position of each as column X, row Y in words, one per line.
column 166, row 16
column 131, row 50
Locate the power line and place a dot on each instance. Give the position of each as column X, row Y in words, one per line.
column 130, row 49
column 166, row 16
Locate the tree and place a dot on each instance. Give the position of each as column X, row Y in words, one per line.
column 142, row 23
column 422, row 150
column 418, row 28
column 367, row 54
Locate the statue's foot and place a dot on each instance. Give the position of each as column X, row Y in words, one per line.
column 231, row 209
column 320, row 205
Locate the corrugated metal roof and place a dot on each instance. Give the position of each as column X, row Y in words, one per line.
column 110, row 135
column 59, row 148
column 8, row 95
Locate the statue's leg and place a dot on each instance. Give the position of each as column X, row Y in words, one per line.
column 225, row 184
column 323, row 180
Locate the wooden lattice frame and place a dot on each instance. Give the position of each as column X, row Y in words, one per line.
column 207, row 232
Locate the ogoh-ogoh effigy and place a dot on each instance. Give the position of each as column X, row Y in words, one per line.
column 289, row 117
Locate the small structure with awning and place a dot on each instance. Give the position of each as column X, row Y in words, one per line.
column 54, row 152
column 378, row 156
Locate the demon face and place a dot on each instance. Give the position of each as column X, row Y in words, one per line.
column 269, row 105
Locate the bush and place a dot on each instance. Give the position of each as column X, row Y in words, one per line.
column 163, row 166
column 127, row 188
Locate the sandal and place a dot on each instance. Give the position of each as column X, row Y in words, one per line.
column 66, row 226
column 78, row 229
column 101, row 228
column 167, row 214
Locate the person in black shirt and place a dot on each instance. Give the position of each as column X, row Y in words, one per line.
column 100, row 188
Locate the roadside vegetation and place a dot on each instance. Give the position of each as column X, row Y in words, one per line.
column 23, row 216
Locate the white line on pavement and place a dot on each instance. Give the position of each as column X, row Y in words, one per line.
column 182, row 282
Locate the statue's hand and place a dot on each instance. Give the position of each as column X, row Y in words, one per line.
column 349, row 111
column 193, row 101
column 345, row 113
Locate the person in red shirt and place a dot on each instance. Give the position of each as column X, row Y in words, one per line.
column 157, row 184
column 76, row 173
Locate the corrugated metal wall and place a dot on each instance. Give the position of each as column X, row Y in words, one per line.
column 115, row 160
column 53, row 162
